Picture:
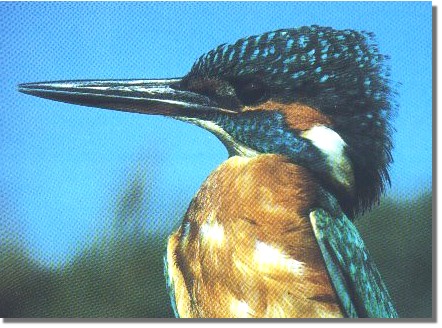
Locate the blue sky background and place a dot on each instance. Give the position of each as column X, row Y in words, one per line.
column 62, row 165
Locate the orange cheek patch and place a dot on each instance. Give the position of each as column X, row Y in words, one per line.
column 297, row 116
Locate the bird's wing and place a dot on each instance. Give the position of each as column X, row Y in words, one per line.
column 352, row 271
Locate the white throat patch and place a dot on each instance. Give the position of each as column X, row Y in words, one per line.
column 233, row 147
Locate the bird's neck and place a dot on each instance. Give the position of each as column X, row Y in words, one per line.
column 308, row 142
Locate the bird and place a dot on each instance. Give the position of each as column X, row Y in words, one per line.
column 305, row 115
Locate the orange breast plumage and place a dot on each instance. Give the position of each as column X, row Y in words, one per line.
column 246, row 247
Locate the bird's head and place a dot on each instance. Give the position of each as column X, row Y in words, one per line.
column 318, row 96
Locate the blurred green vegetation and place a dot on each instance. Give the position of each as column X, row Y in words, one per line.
column 399, row 236
column 121, row 273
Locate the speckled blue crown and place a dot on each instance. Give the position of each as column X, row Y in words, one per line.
column 314, row 65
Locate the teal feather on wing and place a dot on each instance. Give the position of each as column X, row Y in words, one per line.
column 353, row 273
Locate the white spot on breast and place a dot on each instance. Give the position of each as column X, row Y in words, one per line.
column 239, row 309
column 269, row 258
column 213, row 233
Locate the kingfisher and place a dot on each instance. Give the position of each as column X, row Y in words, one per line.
column 305, row 115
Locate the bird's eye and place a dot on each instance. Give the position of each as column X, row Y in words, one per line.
column 251, row 92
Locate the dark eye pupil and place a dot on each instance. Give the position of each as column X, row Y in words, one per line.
column 251, row 93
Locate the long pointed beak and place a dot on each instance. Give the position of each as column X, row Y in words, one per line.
column 155, row 97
